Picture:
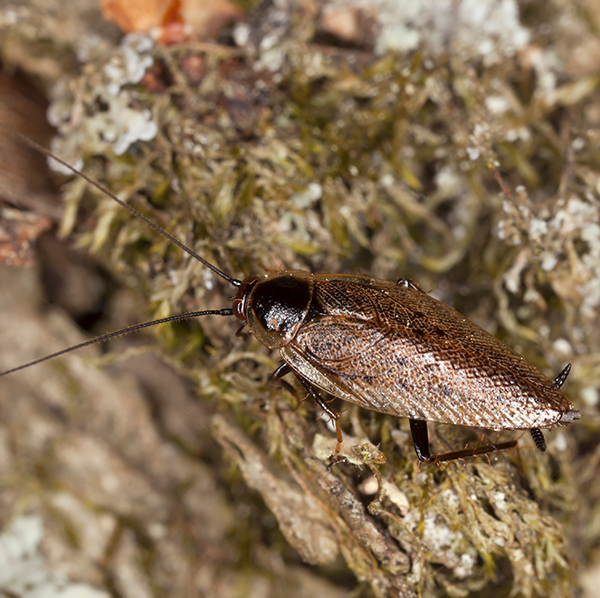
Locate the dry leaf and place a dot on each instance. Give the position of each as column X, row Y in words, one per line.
column 175, row 20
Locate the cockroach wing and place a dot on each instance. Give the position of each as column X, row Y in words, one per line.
column 394, row 349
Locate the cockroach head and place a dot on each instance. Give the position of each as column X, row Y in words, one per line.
column 275, row 305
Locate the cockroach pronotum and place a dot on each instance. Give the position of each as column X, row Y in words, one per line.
column 385, row 346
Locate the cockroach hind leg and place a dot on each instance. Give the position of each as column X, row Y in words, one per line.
column 420, row 436
column 538, row 438
column 418, row 429
column 567, row 417
column 473, row 452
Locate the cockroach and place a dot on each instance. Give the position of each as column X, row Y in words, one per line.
column 386, row 346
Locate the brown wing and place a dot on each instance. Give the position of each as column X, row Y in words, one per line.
column 394, row 349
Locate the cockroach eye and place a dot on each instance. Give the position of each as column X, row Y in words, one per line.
column 238, row 309
column 239, row 302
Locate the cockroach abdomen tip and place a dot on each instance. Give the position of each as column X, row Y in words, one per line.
column 569, row 417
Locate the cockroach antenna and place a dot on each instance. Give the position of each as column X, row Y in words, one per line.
column 93, row 183
column 105, row 337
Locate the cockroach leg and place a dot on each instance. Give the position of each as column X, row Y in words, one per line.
column 420, row 436
column 284, row 369
column 279, row 373
column 474, row 452
column 404, row 282
column 333, row 415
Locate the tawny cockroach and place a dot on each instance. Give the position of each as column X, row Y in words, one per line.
column 385, row 346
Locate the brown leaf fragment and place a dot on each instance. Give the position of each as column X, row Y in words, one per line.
column 349, row 25
column 135, row 15
column 18, row 232
column 176, row 20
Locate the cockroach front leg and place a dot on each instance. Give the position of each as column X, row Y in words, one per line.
column 418, row 429
column 279, row 373
column 333, row 415
column 284, row 369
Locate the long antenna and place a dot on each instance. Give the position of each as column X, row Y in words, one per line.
column 177, row 318
column 49, row 154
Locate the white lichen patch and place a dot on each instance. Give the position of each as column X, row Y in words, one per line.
column 451, row 499
column 564, row 243
column 114, row 117
column 485, row 29
column 498, row 500
column 465, row 569
column 23, row 568
column 437, row 535
column 130, row 64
